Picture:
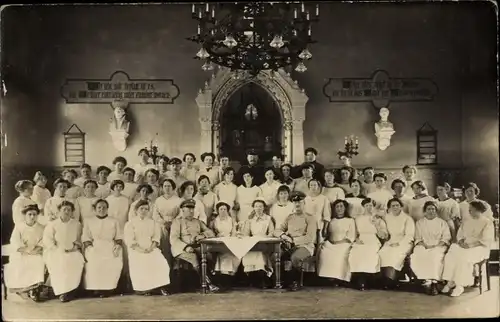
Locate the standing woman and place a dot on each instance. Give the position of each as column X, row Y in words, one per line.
column 26, row 270
column 319, row 207
column 226, row 190
column 471, row 192
column 103, row 185
column 432, row 238
column 401, row 229
column 86, row 202
column 74, row 191
column 420, row 197
column 119, row 164
column 162, row 167
column 258, row 263
column 85, row 174
column 206, row 197
column 448, row 209
column 62, row 252
column 269, row 189
column 130, row 188
column 355, row 198
column 25, row 189
column 208, row 168
column 189, row 170
column 245, row 196
column 40, row 193
column 346, row 176
column 302, row 184
column 149, row 270
column 364, row 260
column 118, row 204
column 410, row 173
column 102, row 246
column 475, row 238
column 52, row 205
column 143, row 192
column 283, row 207
column 152, row 176
column 225, row 226
column 286, row 179
column 333, row 257
column 398, row 186
column 143, row 166
column 331, row 190
column 381, row 195
column 187, row 192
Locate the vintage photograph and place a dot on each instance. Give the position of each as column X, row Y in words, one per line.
column 249, row 160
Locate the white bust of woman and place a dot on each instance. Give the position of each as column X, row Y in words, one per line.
column 384, row 129
column 119, row 125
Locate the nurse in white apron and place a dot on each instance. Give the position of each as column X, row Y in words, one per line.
column 85, row 203
column 226, row 190
column 26, row 269
column 246, row 194
column 62, row 252
column 25, row 189
column 102, row 241
column 40, row 192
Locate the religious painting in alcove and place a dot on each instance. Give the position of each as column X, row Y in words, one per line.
column 250, row 120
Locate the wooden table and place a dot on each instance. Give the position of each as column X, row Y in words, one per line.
column 218, row 246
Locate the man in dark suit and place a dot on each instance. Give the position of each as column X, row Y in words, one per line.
column 255, row 169
column 310, row 157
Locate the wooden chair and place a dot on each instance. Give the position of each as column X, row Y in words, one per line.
column 5, row 259
column 479, row 266
column 308, row 265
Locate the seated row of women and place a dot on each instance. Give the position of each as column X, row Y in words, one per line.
column 351, row 246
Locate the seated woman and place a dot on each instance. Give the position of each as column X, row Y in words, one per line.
column 148, row 269
column 258, row 263
column 416, row 204
column 26, row 270
column 448, row 209
column 86, row 202
column 401, row 231
column 334, row 252
column 186, row 192
column 102, row 242
column 283, row 207
column 25, row 189
column 224, row 225
column 364, row 260
column 62, row 252
column 185, row 234
column 143, row 192
column 432, row 238
column 298, row 232
column 475, row 237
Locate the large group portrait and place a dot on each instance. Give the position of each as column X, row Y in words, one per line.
column 249, row 160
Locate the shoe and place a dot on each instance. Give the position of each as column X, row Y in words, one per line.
column 434, row 291
column 64, row 298
column 361, row 286
column 457, row 291
column 33, row 295
column 164, row 292
column 294, row 286
column 213, row 289
column 446, row 289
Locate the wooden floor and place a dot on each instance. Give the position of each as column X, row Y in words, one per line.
column 312, row 302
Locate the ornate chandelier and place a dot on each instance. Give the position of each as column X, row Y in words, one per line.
column 254, row 36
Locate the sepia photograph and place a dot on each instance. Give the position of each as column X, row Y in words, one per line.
column 249, row 160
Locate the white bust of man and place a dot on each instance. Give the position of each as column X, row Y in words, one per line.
column 384, row 129
column 119, row 125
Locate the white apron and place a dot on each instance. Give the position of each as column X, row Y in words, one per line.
column 148, row 271
column 103, row 269
column 24, row 271
column 65, row 270
column 459, row 263
column 394, row 256
column 427, row 264
column 227, row 262
column 257, row 260
column 333, row 261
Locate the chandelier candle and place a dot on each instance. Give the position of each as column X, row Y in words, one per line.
column 254, row 36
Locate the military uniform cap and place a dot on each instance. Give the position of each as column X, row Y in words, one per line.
column 297, row 196
column 190, row 203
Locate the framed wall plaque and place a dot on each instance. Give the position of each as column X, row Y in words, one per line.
column 74, row 146
column 427, row 153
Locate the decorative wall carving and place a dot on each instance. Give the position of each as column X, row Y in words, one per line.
column 288, row 95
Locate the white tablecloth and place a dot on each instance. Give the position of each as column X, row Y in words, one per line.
column 241, row 246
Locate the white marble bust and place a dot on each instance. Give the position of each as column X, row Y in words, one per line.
column 384, row 129
column 119, row 125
